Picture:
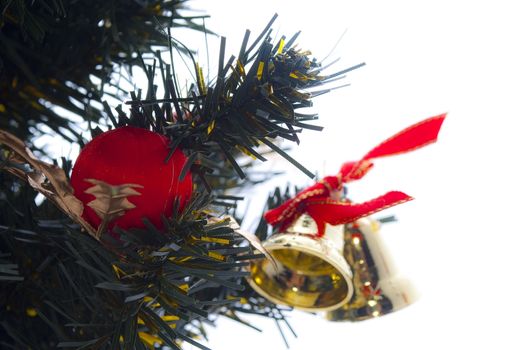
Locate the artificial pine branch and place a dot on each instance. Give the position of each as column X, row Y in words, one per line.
column 254, row 99
column 60, row 59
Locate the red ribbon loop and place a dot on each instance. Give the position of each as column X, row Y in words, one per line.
column 315, row 200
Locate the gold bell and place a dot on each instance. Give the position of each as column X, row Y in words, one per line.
column 378, row 291
column 308, row 272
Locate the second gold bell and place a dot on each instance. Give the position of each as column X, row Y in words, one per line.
column 346, row 273
column 378, row 289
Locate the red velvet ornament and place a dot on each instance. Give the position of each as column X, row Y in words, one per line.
column 131, row 155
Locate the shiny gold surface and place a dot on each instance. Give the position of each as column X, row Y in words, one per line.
column 378, row 291
column 310, row 272
column 300, row 279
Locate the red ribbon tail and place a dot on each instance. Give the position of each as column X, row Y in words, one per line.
column 336, row 213
column 415, row 136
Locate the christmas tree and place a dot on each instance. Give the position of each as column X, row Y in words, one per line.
column 136, row 243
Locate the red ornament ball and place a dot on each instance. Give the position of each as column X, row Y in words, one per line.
column 131, row 155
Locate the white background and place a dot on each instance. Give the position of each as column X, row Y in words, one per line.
column 460, row 240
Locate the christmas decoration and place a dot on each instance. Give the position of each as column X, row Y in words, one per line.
column 139, row 160
column 317, row 200
column 310, row 273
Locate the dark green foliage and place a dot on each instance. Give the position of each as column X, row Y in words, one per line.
column 58, row 57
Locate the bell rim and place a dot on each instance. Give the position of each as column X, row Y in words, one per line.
column 341, row 266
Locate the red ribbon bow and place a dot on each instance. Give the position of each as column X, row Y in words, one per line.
column 316, row 201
